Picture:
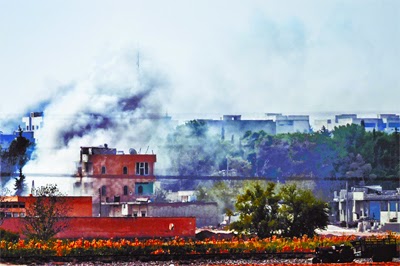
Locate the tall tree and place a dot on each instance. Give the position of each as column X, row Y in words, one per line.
column 258, row 209
column 17, row 156
column 46, row 216
column 300, row 212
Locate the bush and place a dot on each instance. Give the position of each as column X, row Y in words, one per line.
column 8, row 236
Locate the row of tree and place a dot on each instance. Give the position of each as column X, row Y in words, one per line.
column 347, row 151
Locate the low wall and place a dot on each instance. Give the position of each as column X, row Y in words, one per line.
column 118, row 227
column 206, row 213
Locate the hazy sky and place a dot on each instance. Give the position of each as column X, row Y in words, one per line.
column 213, row 56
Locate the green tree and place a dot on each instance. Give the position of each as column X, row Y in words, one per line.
column 258, row 211
column 46, row 216
column 300, row 212
column 17, row 156
column 287, row 210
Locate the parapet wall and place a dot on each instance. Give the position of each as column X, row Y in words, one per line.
column 118, row 227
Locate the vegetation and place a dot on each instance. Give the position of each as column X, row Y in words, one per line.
column 14, row 159
column 8, row 236
column 45, row 217
column 290, row 211
column 346, row 152
column 92, row 249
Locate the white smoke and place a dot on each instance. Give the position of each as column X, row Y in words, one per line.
column 112, row 105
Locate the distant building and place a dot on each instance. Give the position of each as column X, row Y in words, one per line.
column 383, row 122
column 290, row 123
column 368, row 203
column 33, row 122
column 232, row 127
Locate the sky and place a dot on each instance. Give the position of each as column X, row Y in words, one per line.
column 210, row 57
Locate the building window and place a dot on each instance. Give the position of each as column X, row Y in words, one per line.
column 143, row 214
column 103, row 191
column 125, row 190
column 140, row 190
column 103, row 170
column 142, row 168
column 125, row 170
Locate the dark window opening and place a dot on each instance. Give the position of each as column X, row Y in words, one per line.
column 140, row 189
column 125, row 190
column 103, row 169
column 103, row 190
column 125, row 170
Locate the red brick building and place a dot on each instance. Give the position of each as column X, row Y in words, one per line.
column 82, row 224
column 15, row 206
column 114, row 177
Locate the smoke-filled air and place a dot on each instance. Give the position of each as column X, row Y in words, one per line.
column 109, row 106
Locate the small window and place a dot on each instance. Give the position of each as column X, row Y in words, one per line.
column 143, row 214
column 140, row 189
column 135, row 214
column 125, row 170
column 125, row 190
column 103, row 170
column 103, row 190
column 21, row 214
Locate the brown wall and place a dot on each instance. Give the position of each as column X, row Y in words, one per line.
column 121, row 227
column 80, row 206
column 114, row 163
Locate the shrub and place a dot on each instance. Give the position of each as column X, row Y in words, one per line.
column 8, row 235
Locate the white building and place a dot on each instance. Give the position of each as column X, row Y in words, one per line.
column 290, row 123
column 33, row 122
column 368, row 203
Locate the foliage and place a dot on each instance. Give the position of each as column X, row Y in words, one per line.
column 258, row 208
column 347, row 151
column 124, row 247
column 300, row 212
column 289, row 211
column 46, row 216
column 8, row 235
column 223, row 192
column 15, row 158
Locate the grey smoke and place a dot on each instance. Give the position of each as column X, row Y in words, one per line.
column 112, row 105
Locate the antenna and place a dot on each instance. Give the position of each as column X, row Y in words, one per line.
column 138, row 61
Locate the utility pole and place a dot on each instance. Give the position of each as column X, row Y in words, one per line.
column 100, row 202
column 347, row 205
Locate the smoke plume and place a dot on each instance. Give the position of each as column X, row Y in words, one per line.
column 112, row 105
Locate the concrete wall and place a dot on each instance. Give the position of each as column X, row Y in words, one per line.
column 206, row 213
column 122, row 227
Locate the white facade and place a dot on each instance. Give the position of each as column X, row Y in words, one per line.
column 290, row 123
column 33, row 122
column 368, row 202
